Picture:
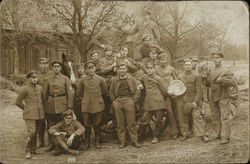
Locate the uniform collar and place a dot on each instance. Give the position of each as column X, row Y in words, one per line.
column 126, row 77
column 91, row 77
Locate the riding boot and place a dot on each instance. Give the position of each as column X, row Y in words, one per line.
column 87, row 138
column 97, row 136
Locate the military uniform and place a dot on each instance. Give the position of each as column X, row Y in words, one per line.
column 74, row 128
column 77, row 100
column 42, row 76
column 153, row 105
column 124, row 94
column 168, row 74
column 92, row 88
column 57, row 98
column 220, row 102
column 33, row 112
column 184, row 103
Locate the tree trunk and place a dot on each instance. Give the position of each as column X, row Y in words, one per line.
column 16, row 59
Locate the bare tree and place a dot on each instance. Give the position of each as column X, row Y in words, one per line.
column 84, row 18
column 14, row 15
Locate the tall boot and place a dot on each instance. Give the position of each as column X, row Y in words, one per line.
column 87, row 138
column 97, row 137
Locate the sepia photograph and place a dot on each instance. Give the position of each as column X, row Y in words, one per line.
column 116, row 81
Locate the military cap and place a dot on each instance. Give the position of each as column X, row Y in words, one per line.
column 93, row 52
column 68, row 114
column 90, row 63
column 149, row 63
column 108, row 48
column 78, row 65
column 56, row 62
column 186, row 60
column 194, row 58
column 219, row 54
column 43, row 60
column 31, row 73
column 163, row 55
column 121, row 63
column 146, row 35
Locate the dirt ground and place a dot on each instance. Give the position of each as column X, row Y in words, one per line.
column 193, row 150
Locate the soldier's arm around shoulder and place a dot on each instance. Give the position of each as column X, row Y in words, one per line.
column 80, row 129
column 56, row 128
column 21, row 96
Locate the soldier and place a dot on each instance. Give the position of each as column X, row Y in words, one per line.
column 131, row 65
column 189, row 102
column 33, row 113
column 66, row 135
column 148, row 27
column 146, row 47
column 56, row 96
column 167, row 72
column 108, row 36
column 124, row 94
column 95, row 57
column 77, row 102
column 154, row 106
column 92, row 90
column 43, row 74
column 195, row 62
column 221, row 81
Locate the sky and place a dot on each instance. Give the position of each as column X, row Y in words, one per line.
column 231, row 15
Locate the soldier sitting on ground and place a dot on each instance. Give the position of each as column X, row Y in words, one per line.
column 66, row 135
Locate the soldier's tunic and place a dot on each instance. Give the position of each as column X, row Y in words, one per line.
column 220, row 105
column 168, row 74
column 74, row 128
column 33, row 112
column 92, row 90
column 154, row 102
column 42, row 76
column 57, row 97
column 184, row 103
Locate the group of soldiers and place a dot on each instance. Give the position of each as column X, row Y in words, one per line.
column 130, row 92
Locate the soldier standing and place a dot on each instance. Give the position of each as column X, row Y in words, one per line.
column 221, row 81
column 77, row 102
column 56, row 96
column 195, row 62
column 33, row 112
column 124, row 94
column 43, row 74
column 92, row 90
column 167, row 72
column 189, row 102
column 153, row 105
column 96, row 58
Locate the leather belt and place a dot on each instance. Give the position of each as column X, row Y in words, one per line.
column 59, row 95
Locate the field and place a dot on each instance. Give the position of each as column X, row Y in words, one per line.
column 193, row 150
